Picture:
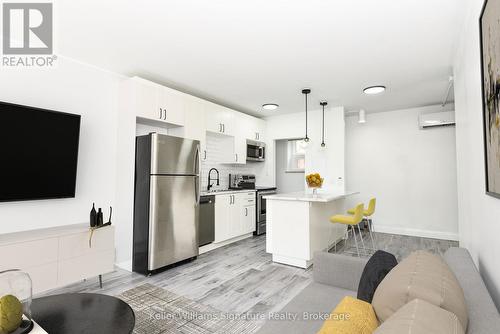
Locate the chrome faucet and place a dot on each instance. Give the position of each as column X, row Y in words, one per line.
column 210, row 179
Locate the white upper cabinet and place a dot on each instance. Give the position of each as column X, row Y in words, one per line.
column 251, row 128
column 173, row 105
column 190, row 117
column 260, row 129
column 146, row 99
column 256, row 129
column 219, row 119
column 194, row 127
column 158, row 103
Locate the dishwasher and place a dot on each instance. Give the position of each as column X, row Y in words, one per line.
column 207, row 220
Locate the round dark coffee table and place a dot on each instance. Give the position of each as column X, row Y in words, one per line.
column 83, row 313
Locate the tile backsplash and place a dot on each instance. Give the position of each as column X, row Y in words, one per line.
column 214, row 154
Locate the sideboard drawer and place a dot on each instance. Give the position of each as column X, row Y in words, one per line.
column 76, row 245
column 82, row 267
column 44, row 277
column 28, row 254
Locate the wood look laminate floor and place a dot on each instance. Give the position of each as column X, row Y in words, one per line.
column 241, row 277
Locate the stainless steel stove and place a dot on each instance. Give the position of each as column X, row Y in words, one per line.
column 261, row 208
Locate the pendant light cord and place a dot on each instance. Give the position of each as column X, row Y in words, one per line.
column 323, row 130
column 307, row 138
column 306, row 92
column 323, row 104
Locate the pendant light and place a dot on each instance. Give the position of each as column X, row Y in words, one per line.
column 323, row 104
column 306, row 92
column 362, row 116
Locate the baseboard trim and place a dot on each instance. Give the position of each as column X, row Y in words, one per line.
column 212, row 246
column 125, row 265
column 416, row 232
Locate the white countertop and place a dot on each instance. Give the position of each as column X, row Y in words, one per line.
column 304, row 197
column 225, row 192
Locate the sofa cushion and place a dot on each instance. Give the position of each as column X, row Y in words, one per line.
column 351, row 316
column 312, row 306
column 424, row 276
column 421, row 317
column 375, row 270
column 483, row 315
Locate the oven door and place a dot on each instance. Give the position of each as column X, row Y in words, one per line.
column 261, row 205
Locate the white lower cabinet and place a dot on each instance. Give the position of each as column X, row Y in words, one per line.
column 234, row 215
column 222, row 217
column 248, row 221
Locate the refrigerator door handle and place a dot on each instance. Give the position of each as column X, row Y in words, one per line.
column 197, row 161
column 197, row 192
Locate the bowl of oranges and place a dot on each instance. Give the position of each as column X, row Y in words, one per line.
column 314, row 181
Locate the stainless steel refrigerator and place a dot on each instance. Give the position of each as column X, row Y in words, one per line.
column 167, row 201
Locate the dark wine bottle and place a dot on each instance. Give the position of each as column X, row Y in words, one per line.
column 93, row 216
column 100, row 217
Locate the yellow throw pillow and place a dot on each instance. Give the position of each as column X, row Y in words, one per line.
column 351, row 316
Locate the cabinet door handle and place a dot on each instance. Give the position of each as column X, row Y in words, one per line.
column 246, row 212
column 236, row 155
column 205, row 151
column 223, row 128
column 161, row 113
column 165, row 114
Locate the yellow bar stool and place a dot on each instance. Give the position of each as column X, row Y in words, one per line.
column 367, row 215
column 353, row 221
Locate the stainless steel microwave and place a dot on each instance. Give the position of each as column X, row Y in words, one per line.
column 256, row 151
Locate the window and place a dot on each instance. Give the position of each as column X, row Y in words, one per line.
column 296, row 156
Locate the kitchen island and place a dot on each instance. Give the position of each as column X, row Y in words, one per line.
column 298, row 225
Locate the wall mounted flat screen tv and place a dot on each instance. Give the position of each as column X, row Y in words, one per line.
column 38, row 153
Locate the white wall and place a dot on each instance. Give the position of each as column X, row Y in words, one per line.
column 328, row 162
column 76, row 88
column 286, row 181
column 478, row 213
column 411, row 172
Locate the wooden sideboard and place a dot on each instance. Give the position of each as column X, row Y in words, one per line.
column 55, row 257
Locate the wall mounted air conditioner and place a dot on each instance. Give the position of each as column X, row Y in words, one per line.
column 446, row 118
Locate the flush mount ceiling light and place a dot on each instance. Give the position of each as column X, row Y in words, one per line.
column 306, row 92
column 270, row 106
column 374, row 90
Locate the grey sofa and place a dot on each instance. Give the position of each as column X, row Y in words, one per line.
column 336, row 276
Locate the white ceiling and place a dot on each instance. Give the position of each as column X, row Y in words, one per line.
column 246, row 53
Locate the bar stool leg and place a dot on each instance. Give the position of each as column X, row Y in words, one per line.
column 371, row 234
column 330, row 239
column 371, row 228
column 355, row 240
column 346, row 238
column 362, row 241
